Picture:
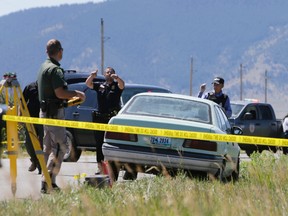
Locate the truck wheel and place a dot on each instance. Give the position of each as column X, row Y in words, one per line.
column 72, row 154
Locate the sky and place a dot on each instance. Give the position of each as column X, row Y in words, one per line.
column 9, row 6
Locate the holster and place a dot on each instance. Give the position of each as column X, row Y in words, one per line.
column 52, row 110
column 43, row 106
column 51, row 107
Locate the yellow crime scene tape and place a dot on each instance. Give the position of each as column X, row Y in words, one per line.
column 150, row 131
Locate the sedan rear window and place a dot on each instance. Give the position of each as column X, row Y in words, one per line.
column 169, row 108
column 130, row 92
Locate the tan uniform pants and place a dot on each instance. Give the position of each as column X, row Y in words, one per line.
column 54, row 146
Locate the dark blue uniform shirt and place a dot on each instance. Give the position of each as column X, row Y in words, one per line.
column 108, row 96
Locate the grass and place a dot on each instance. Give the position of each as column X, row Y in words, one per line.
column 262, row 189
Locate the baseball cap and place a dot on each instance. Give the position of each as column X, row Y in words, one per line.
column 218, row 80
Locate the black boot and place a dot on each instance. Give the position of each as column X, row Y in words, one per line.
column 55, row 187
column 44, row 187
column 32, row 167
column 39, row 169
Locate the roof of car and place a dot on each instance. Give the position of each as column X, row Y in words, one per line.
column 71, row 76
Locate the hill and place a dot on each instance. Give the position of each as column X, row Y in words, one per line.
column 153, row 41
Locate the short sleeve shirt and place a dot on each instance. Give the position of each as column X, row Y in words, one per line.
column 285, row 124
column 108, row 96
column 50, row 77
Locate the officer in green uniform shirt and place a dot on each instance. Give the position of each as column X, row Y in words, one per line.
column 53, row 96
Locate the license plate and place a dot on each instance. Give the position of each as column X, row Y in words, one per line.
column 160, row 140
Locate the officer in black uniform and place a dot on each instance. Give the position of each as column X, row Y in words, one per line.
column 108, row 97
column 217, row 95
column 30, row 94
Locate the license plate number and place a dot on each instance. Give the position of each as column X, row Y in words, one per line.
column 160, row 140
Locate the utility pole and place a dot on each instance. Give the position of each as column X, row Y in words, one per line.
column 241, row 87
column 191, row 75
column 102, row 46
column 266, row 78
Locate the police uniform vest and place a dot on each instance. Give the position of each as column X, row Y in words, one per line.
column 221, row 100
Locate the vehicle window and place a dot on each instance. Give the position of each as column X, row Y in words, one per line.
column 91, row 96
column 236, row 108
column 224, row 116
column 169, row 108
column 223, row 122
column 251, row 109
column 130, row 92
column 266, row 113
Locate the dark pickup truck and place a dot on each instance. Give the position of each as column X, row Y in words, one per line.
column 256, row 119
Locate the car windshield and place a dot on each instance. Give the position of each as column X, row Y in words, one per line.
column 169, row 107
column 236, row 108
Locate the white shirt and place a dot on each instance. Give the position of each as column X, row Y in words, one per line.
column 285, row 124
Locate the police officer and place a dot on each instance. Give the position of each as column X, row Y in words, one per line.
column 285, row 132
column 52, row 96
column 217, row 95
column 108, row 96
column 30, row 94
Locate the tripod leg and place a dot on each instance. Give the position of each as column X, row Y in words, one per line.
column 12, row 147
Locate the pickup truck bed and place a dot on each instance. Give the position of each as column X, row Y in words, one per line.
column 256, row 119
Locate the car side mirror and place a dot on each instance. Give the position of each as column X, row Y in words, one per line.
column 236, row 130
column 248, row 116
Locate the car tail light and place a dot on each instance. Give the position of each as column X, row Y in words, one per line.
column 200, row 144
column 121, row 136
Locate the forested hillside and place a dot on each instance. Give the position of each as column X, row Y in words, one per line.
column 153, row 41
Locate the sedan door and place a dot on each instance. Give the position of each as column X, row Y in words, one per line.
column 251, row 126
